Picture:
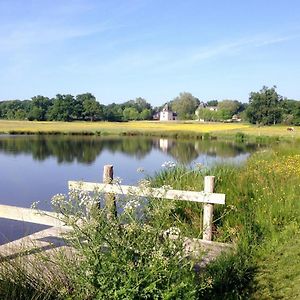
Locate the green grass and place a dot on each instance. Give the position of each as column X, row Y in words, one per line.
column 278, row 274
column 261, row 216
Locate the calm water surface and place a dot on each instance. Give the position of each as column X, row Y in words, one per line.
column 34, row 168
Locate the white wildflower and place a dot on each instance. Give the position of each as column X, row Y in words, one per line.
column 35, row 204
column 117, row 180
column 58, row 199
column 166, row 187
column 84, row 198
column 173, row 233
column 132, row 204
column 144, row 183
column 169, row 164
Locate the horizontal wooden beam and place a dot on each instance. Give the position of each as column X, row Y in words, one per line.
column 30, row 215
column 193, row 196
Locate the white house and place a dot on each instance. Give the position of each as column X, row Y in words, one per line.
column 167, row 115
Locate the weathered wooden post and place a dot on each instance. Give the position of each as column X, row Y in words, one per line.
column 108, row 176
column 208, row 209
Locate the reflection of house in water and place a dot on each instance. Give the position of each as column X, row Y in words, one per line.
column 165, row 144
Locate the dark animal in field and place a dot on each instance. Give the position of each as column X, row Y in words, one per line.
column 290, row 129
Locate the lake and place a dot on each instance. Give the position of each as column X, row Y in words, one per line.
column 36, row 167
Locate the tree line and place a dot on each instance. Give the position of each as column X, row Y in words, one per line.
column 265, row 107
column 83, row 107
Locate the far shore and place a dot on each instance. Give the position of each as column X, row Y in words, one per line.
column 149, row 128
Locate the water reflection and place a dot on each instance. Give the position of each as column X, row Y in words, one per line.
column 85, row 149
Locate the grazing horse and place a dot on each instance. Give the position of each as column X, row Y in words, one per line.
column 290, row 129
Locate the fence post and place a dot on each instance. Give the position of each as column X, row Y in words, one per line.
column 208, row 209
column 110, row 203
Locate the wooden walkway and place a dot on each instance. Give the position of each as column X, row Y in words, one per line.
column 51, row 240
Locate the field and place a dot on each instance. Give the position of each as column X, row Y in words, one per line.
column 144, row 127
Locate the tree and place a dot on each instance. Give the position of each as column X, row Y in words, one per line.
column 264, row 107
column 291, row 112
column 63, row 108
column 130, row 113
column 185, row 105
column 88, row 107
column 113, row 112
column 139, row 104
column 228, row 108
column 146, row 114
column 212, row 103
column 39, row 108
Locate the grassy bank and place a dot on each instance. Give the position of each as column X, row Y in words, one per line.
column 261, row 217
column 149, row 128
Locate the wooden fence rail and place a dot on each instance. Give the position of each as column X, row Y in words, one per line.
column 31, row 215
column 207, row 197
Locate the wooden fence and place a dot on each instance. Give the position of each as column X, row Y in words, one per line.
column 207, row 197
column 50, row 238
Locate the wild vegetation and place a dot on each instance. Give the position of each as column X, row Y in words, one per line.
column 261, row 218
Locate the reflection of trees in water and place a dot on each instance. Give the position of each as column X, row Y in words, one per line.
column 183, row 152
column 223, row 149
column 85, row 149
column 133, row 146
column 186, row 151
column 73, row 148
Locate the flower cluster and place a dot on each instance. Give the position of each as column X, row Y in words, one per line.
column 131, row 205
column 144, row 183
column 58, row 199
column 117, row 180
column 169, row 164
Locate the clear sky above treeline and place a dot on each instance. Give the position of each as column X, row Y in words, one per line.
column 123, row 49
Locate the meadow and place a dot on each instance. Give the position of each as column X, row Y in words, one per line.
column 192, row 128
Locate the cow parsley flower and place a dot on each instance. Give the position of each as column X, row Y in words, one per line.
column 169, row 164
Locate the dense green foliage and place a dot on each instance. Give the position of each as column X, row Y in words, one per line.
column 185, row 105
column 265, row 107
column 69, row 108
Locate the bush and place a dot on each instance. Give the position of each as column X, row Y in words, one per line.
column 124, row 257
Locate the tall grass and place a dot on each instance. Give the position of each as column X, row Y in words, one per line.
column 262, row 208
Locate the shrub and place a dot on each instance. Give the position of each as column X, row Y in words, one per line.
column 123, row 257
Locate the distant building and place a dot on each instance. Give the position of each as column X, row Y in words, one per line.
column 236, row 118
column 201, row 106
column 156, row 116
column 212, row 108
column 167, row 115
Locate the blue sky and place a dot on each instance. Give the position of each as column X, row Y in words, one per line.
column 120, row 50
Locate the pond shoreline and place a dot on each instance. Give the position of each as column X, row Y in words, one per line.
column 188, row 129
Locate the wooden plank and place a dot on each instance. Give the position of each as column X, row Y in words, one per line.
column 30, row 215
column 193, row 196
